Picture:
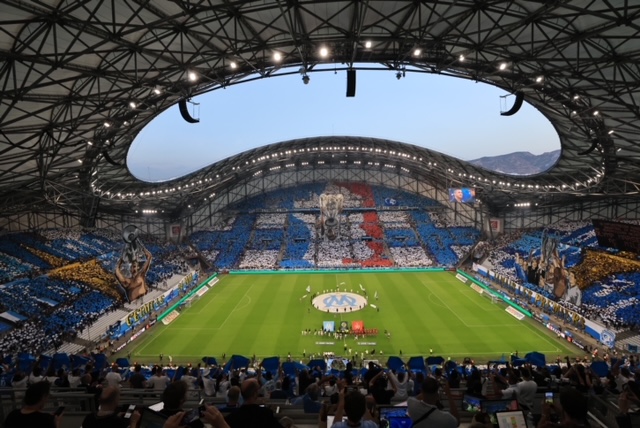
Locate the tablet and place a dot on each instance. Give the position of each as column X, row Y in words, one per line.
column 394, row 417
column 492, row 407
column 511, row 419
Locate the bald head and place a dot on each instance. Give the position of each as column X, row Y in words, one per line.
column 250, row 389
column 109, row 398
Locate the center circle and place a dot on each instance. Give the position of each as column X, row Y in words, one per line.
column 339, row 302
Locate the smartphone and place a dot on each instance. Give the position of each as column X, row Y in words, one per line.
column 59, row 411
column 548, row 397
column 129, row 411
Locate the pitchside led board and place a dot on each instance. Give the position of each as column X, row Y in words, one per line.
column 462, row 195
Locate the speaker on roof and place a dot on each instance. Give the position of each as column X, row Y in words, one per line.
column 351, row 83
column 516, row 105
column 184, row 111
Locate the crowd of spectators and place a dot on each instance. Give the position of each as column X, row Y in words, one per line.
column 377, row 227
column 605, row 278
column 239, row 395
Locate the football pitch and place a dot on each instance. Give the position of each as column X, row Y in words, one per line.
column 265, row 314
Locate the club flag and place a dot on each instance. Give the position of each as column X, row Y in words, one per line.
column 308, row 288
column 329, row 325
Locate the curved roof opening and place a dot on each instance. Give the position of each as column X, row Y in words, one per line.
column 454, row 116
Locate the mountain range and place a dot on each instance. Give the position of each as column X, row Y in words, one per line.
column 518, row 163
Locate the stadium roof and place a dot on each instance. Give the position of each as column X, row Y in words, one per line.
column 79, row 80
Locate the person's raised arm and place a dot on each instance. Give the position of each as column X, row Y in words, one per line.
column 340, row 410
column 453, row 409
column 147, row 262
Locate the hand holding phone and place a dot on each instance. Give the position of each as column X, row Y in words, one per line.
column 129, row 411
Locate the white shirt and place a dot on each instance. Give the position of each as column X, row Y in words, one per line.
column 113, row 379
column 158, row 382
column 525, row 392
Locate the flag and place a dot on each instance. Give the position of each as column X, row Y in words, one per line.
column 308, row 288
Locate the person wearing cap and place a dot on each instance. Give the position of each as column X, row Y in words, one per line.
column 208, row 384
column 426, row 409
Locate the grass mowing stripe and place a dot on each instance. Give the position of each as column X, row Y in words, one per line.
column 265, row 315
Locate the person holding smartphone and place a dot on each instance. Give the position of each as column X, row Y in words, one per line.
column 31, row 414
column 108, row 416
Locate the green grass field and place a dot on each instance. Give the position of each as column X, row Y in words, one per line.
column 265, row 315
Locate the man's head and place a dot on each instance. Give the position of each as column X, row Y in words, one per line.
column 109, row 398
column 250, row 389
column 233, row 395
column 458, row 194
column 175, row 395
column 430, row 388
column 36, row 395
column 313, row 392
column 355, row 404
column 574, row 404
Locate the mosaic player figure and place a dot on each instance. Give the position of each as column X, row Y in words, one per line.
column 135, row 285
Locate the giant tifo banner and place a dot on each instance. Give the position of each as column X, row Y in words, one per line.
column 140, row 314
column 130, row 271
column 357, row 326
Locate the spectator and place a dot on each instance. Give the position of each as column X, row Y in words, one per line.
column 107, row 416
column 278, row 393
column 159, row 380
column 354, row 406
column 113, row 378
column 572, row 411
column 378, row 388
column 208, row 384
column 251, row 414
column 74, row 378
column 524, row 391
column 426, row 409
column 233, row 400
column 137, row 379
column 310, row 401
column 31, row 414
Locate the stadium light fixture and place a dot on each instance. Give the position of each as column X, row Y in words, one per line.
column 193, row 76
column 367, row 44
column 277, row 56
column 324, row 52
column 417, row 52
column 503, row 66
column 233, row 65
column 461, row 58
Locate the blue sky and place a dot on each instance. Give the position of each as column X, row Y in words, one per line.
column 453, row 116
